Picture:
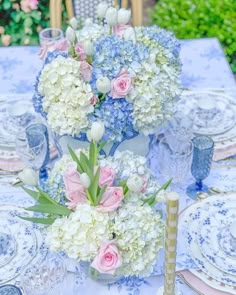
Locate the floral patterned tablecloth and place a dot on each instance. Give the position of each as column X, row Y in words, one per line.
column 204, row 66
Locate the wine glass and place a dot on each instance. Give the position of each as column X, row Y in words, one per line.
column 203, row 148
column 174, row 163
column 31, row 146
column 45, row 278
column 43, row 175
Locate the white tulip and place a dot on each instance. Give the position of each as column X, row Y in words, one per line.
column 88, row 47
column 28, row 177
column 85, row 180
column 124, row 16
column 70, row 35
column 97, row 131
column 129, row 34
column 111, row 16
column 88, row 134
column 135, row 183
column 74, row 23
column 88, row 22
column 102, row 9
column 103, row 84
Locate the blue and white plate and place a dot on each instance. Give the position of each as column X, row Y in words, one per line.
column 29, row 239
column 213, row 232
column 7, row 245
column 192, row 219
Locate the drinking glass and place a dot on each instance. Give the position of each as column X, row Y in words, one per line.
column 45, row 278
column 50, row 36
column 173, row 163
column 43, row 175
column 32, row 148
column 203, row 147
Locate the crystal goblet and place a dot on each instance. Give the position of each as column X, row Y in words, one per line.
column 43, row 175
column 45, row 278
column 31, row 147
column 174, row 163
column 203, row 148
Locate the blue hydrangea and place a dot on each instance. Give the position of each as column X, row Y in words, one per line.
column 112, row 54
column 117, row 117
column 37, row 97
column 165, row 38
column 56, row 189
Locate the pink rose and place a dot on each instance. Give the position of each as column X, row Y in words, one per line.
column 107, row 176
column 79, row 49
column 75, row 192
column 6, row 39
column 108, row 258
column 121, row 85
column 120, row 29
column 111, row 199
column 86, row 71
column 144, row 185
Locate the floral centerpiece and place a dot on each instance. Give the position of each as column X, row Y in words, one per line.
column 126, row 77
column 101, row 210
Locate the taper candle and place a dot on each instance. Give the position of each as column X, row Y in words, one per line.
column 172, row 207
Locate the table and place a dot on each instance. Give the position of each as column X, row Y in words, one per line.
column 204, row 66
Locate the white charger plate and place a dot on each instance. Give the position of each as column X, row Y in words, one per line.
column 214, row 113
column 191, row 220
column 208, row 239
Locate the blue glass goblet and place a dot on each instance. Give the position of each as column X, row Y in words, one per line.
column 203, row 147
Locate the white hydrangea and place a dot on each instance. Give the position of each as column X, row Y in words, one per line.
column 91, row 32
column 67, row 98
column 153, row 95
column 80, row 234
column 139, row 232
column 126, row 164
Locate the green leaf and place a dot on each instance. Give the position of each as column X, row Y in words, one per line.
column 48, row 221
column 75, row 158
column 101, row 145
column 50, row 209
column 84, row 162
column 151, row 200
column 45, row 197
column 34, row 194
column 93, row 189
column 165, row 186
column 100, row 194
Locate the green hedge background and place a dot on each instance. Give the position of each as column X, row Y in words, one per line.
column 190, row 19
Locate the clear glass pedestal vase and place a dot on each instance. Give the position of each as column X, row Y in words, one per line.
column 139, row 144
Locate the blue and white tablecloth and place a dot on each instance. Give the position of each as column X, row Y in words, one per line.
column 204, row 66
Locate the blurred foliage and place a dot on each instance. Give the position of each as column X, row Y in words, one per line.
column 18, row 27
column 198, row 19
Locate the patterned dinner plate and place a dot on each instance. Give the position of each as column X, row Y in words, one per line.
column 7, row 244
column 193, row 217
column 30, row 246
column 214, row 113
column 210, row 238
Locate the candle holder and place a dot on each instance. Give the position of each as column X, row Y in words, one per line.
column 172, row 207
